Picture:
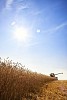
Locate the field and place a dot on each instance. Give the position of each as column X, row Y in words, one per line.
column 56, row 90
column 18, row 83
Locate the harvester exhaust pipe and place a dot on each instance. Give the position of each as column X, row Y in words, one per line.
column 58, row 73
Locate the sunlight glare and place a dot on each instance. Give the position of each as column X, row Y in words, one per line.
column 21, row 33
column 38, row 30
column 13, row 23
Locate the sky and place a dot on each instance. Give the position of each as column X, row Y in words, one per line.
column 34, row 33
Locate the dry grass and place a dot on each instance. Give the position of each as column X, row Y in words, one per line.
column 16, row 82
column 56, row 90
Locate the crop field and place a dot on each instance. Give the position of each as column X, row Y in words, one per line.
column 18, row 83
column 56, row 90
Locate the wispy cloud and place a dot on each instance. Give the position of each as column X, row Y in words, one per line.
column 36, row 12
column 58, row 27
column 31, row 44
column 21, row 7
column 18, row 5
column 9, row 3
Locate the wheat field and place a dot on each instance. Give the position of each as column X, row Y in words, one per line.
column 19, row 83
column 56, row 90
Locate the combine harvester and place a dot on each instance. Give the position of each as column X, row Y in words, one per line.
column 53, row 75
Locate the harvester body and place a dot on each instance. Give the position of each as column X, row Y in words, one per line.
column 53, row 75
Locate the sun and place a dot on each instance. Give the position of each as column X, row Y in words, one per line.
column 20, row 33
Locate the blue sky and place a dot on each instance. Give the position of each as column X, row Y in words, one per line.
column 34, row 32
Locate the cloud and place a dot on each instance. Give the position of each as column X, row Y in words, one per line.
column 60, row 26
column 18, row 5
column 8, row 4
column 37, row 12
column 55, row 28
column 21, row 7
column 30, row 44
column 23, row 4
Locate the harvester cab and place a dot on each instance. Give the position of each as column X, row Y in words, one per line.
column 53, row 75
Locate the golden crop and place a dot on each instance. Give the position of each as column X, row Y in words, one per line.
column 16, row 82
